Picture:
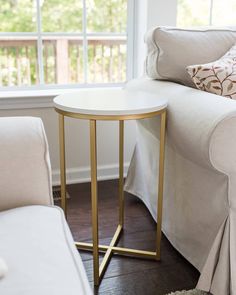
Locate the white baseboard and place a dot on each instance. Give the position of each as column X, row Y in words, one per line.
column 82, row 174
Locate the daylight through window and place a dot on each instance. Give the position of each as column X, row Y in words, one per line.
column 206, row 12
column 62, row 42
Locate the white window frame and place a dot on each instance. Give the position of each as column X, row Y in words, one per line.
column 210, row 19
column 211, row 12
column 39, row 35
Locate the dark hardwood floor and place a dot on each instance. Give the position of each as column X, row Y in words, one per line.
column 125, row 275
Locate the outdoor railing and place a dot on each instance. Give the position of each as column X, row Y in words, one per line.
column 63, row 61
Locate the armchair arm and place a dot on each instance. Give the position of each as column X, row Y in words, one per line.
column 25, row 172
column 201, row 126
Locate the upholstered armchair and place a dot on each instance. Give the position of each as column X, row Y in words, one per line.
column 199, row 191
column 35, row 241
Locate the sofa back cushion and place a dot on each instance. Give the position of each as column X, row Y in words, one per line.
column 171, row 50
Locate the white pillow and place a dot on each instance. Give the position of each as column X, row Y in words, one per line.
column 218, row 77
column 3, row 268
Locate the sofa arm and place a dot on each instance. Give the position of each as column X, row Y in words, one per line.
column 201, row 125
column 25, row 174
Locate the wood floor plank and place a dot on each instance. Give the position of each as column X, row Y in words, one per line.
column 125, row 275
column 148, row 282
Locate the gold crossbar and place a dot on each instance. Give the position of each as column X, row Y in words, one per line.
column 116, row 250
column 108, row 254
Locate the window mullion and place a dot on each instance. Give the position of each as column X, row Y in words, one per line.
column 130, row 39
column 211, row 12
column 85, row 43
column 40, row 43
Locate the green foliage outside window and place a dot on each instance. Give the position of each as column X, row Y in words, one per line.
column 18, row 57
column 195, row 13
column 63, row 15
column 17, row 16
column 192, row 13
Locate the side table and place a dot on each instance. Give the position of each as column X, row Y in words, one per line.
column 113, row 105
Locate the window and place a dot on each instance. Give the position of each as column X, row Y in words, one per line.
column 63, row 42
column 206, row 12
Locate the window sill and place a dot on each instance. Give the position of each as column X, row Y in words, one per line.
column 41, row 98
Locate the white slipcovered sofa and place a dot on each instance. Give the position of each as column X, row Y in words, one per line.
column 199, row 215
column 35, row 241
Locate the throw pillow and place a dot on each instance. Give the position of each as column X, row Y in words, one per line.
column 218, row 77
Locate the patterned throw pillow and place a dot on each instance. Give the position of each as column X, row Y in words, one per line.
column 217, row 77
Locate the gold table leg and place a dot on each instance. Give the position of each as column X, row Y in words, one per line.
column 160, row 183
column 121, row 173
column 62, row 162
column 112, row 248
column 93, row 163
column 115, row 239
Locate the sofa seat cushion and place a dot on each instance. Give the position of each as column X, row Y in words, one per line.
column 38, row 248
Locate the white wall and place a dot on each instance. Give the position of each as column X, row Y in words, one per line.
column 148, row 13
column 161, row 13
column 77, row 144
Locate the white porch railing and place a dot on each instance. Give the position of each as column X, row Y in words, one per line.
column 63, row 60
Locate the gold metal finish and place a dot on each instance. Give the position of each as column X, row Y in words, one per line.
column 121, row 173
column 93, row 164
column 112, row 248
column 160, row 184
column 62, row 163
column 118, row 250
column 109, row 117
column 109, row 251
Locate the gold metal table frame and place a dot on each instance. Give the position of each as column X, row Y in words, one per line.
column 112, row 248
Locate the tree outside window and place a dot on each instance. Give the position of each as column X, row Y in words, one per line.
column 192, row 13
column 62, row 42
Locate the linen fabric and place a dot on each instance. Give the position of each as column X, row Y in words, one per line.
column 25, row 174
column 3, row 268
column 171, row 50
column 199, row 216
column 34, row 240
column 218, row 77
column 40, row 253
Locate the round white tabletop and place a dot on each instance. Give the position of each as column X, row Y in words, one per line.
column 109, row 102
